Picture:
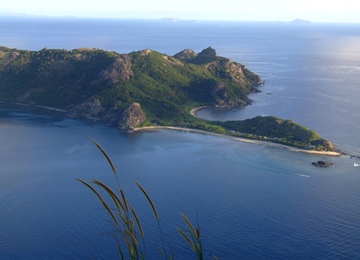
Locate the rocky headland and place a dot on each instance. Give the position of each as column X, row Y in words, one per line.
column 144, row 88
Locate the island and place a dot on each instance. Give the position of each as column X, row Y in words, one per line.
column 145, row 89
column 322, row 164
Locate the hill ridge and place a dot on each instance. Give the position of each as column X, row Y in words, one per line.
column 143, row 88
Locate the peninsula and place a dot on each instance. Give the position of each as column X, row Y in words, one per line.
column 145, row 88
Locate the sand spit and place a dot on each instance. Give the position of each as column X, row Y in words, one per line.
column 294, row 149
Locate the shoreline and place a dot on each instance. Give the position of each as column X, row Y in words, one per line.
column 193, row 113
column 239, row 139
column 35, row 106
column 196, row 109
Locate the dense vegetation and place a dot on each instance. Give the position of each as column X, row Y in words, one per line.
column 49, row 77
column 278, row 130
column 143, row 88
column 166, row 87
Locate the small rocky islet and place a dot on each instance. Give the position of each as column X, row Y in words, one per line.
column 322, row 164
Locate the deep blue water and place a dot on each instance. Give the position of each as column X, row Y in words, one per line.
column 252, row 201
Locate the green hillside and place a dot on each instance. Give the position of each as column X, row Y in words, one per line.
column 278, row 130
column 142, row 88
column 101, row 84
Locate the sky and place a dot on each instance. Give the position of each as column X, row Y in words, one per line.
column 344, row 11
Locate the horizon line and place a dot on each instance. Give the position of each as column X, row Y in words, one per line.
column 297, row 21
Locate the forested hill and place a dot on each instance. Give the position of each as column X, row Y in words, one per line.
column 143, row 88
column 156, row 88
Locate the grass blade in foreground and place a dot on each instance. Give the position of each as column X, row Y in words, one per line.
column 194, row 240
column 128, row 229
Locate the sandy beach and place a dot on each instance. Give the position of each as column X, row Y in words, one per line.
column 194, row 110
column 193, row 113
column 239, row 139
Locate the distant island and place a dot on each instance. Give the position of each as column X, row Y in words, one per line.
column 299, row 21
column 145, row 88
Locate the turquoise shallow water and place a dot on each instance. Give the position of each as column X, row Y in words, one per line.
column 252, row 201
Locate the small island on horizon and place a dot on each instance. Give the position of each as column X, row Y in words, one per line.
column 146, row 89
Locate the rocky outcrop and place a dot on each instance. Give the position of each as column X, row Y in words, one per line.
column 119, row 69
column 91, row 109
column 222, row 99
column 322, row 164
column 230, row 70
column 205, row 56
column 132, row 117
column 186, row 55
column 207, row 53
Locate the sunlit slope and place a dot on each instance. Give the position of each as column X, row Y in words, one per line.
column 94, row 83
column 143, row 88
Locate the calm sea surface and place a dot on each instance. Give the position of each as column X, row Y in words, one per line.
column 252, row 201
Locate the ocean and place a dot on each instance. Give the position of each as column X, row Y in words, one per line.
column 251, row 201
